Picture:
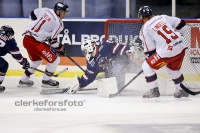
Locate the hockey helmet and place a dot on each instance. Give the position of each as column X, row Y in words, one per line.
column 144, row 11
column 6, row 29
column 61, row 6
column 87, row 48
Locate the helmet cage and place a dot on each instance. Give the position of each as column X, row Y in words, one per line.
column 87, row 48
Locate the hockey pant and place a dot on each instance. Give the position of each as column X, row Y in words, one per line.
column 173, row 66
column 38, row 51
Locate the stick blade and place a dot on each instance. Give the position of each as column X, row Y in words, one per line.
column 189, row 91
column 61, row 72
column 53, row 91
column 112, row 95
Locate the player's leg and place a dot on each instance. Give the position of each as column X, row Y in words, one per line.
column 50, row 55
column 107, row 86
column 173, row 69
column 178, row 78
column 50, row 68
column 25, row 79
column 151, row 79
column 3, row 70
column 117, row 69
column 149, row 65
column 30, row 45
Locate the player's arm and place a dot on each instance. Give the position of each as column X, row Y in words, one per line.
column 117, row 48
column 88, row 77
column 57, row 27
column 178, row 24
column 148, row 42
column 77, row 83
column 136, row 52
column 33, row 15
column 147, row 48
column 15, row 52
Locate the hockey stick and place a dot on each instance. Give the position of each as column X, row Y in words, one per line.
column 98, row 77
column 65, row 54
column 60, row 91
column 43, row 91
column 189, row 91
column 74, row 62
column 56, row 75
column 114, row 95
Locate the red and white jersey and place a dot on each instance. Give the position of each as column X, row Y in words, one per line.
column 47, row 25
column 163, row 34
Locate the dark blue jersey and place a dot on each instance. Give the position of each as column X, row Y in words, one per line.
column 106, row 50
column 9, row 46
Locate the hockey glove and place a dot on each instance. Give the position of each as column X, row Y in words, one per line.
column 72, row 86
column 25, row 64
column 103, row 62
column 137, row 43
column 60, row 49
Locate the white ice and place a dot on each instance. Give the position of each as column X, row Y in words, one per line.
column 122, row 114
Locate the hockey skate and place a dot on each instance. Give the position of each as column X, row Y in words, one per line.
column 50, row 83
column 181, row 94
column 2, row 88
column 25, row 84
column 153, row 93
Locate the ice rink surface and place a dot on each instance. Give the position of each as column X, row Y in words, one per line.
column 24, row 110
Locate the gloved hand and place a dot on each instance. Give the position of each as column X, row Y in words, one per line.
column 25, row 64
column 136, row 49
column 136, row 43
column 131, row 50
column 60, row 49
column 135, row 53
column 72, row 86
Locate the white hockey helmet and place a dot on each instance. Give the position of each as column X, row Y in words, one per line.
column 88, row 47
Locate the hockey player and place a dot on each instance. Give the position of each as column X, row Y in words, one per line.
column 46, row 25
column 109, row 57
column 163, row 44
column 9, row 46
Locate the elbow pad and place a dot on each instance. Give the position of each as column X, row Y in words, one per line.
column 33, row 16
column 182, row 27
column 183, row 30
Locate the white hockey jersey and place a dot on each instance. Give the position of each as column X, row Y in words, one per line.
column 164, row 34
column 47, row 25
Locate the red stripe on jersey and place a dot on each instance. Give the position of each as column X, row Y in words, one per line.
column 54, row 36
column 116, row 47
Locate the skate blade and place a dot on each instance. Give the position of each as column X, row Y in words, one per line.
column 2, row 91
column 24, row 86
column 104, row 95
column 183, row 99
column 49, row 86
column 157, row 99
